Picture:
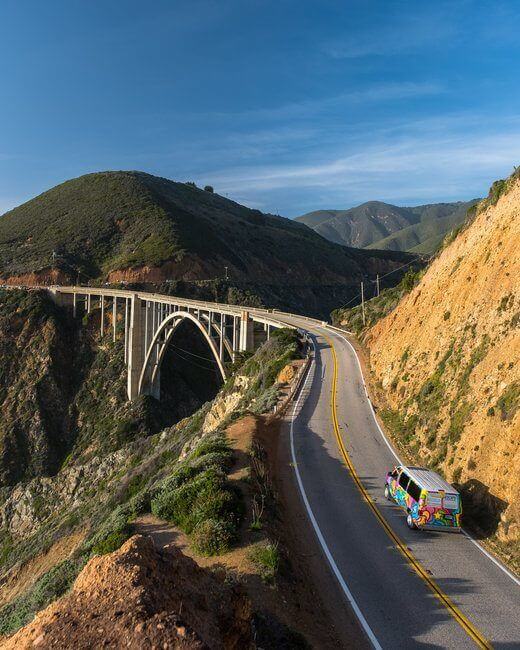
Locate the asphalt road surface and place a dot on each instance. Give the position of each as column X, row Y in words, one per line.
column 409, row 589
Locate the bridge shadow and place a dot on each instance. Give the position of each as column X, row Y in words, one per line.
column 400, row 607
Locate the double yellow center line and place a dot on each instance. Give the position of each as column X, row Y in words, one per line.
column 466, row 625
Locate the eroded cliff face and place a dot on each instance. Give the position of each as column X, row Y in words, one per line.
column 37, row 380
column 63, row 389
column 448, row 362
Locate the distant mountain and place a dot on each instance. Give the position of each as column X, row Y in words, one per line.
column 134, row 227
column 378, row 225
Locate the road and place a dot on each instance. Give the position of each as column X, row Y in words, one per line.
column 409, row 589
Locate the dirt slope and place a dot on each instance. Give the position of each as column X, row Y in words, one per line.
column 448, row 362
column 138, row 597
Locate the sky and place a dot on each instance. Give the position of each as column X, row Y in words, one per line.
column 286, row 106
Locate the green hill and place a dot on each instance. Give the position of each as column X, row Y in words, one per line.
column 377, row 225
column 134, row 227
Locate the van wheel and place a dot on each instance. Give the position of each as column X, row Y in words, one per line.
column 411, row 523
column 387, row 493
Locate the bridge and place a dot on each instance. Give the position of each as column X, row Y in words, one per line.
column 150, row 320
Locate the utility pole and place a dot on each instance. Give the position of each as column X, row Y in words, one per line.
column 363, row 304
column 377, row 284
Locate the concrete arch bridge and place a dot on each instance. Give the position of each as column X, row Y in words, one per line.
column 150, row 321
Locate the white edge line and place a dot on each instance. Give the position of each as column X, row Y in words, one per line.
column 471, row 539
column 493, row 559
column 357, row 611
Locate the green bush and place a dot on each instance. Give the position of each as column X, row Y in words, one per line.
column 199, row 499
column 508, row 402
column 213, row 537
column 266, row 557
column 111, row 542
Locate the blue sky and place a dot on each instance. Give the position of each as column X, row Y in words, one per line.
column 287, row 106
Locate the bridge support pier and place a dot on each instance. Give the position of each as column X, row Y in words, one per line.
column 247, row 333
column 136, row 345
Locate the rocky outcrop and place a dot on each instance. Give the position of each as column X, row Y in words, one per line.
column 149, row 599
column 226, row 403
column 30, row 504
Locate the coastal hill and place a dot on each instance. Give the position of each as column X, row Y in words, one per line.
column 380, row 225
column 134, row 227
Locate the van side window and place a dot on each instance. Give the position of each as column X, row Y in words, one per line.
column 414, row 491
column 403, row 480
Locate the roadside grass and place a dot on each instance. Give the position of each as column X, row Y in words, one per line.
column 267, row 559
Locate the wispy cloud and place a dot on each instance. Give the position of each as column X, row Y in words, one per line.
column 399, row 36
column 416, row 164
column 375, row 93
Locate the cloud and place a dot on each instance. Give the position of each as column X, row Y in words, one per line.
column 375, row 93
column 396, row 36
column 419, row 162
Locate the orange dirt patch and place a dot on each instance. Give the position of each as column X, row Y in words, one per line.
column 142, row 597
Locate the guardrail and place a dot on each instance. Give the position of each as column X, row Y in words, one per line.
column 280, row 406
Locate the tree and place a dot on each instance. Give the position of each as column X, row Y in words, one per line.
column 208, row 188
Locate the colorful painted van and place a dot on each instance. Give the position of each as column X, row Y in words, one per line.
column 431, row 502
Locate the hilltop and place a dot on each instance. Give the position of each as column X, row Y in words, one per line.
column 134, row 227
column 445, row 364
column 383, row 226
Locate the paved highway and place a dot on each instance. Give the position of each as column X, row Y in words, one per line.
column 409, row 589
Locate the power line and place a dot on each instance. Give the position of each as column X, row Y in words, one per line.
column 397, row 269
column 192, row 353
column 194, row 363
column 358, row 295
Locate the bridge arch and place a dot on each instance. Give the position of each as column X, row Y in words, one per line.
column 149, row 381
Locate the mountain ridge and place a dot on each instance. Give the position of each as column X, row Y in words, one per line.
column 133, row 227
column 380, row 225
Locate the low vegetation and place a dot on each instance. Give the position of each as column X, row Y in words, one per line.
column 178, row 472
column 198, row 498
column 266, row 557
column 377, row 307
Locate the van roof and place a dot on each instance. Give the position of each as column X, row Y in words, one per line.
column 429, row 480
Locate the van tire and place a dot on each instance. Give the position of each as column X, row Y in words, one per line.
column 387, row 493
column 410, row 522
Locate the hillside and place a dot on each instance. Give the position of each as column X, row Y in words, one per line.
column 134, row 227
column 377, row 225
column 83, row 471
column 446, row 366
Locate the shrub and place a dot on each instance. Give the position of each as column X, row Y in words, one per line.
column 456, row 475
column 198, row 498
column 508, row 402
column 266, row 557
column 213, row 537
column 208, row 188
